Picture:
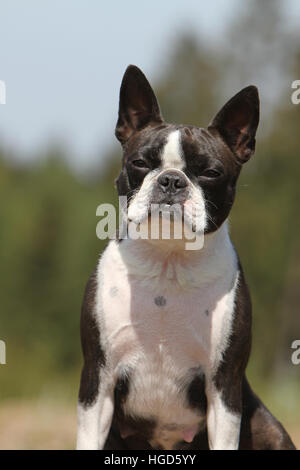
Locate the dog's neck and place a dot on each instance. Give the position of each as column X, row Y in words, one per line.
column 158, row 260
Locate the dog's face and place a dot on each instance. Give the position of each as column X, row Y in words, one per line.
column 169, row 164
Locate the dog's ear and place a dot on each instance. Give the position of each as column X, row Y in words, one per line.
column 138, row 105
column 237, row 122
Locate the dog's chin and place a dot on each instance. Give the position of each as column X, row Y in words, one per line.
column 166, row 225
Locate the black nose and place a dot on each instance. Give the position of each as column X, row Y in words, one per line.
column 172, row 182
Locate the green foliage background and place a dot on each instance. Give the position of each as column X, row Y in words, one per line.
column 48, row 243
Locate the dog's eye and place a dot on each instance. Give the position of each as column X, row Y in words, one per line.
column 211, row 173
column 140, row 163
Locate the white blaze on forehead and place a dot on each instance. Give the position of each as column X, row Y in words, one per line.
column 172, row 152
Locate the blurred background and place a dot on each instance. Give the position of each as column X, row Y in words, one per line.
column 62, row 63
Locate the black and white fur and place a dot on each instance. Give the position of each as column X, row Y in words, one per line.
column 166, row 332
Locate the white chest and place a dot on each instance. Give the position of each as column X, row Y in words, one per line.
column 161, row 330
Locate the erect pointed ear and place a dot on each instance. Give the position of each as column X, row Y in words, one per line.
column 237, row 122
column 138, row 105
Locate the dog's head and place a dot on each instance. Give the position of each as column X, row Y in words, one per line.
column 170, row 164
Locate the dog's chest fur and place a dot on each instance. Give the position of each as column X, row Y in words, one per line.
column 167, row 335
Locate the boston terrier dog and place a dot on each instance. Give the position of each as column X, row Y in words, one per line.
column 166, row 331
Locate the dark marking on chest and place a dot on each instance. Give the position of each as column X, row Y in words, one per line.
column 160, row 301
column 113, row 291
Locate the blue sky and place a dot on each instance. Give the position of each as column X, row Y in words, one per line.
column 63, row 61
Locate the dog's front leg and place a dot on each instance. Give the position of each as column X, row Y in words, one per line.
column 223, row 423
column 94, row 418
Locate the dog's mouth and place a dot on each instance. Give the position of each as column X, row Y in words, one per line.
column 169, row 217
column 174, row 214
column 168, row 207
column 169, row 199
